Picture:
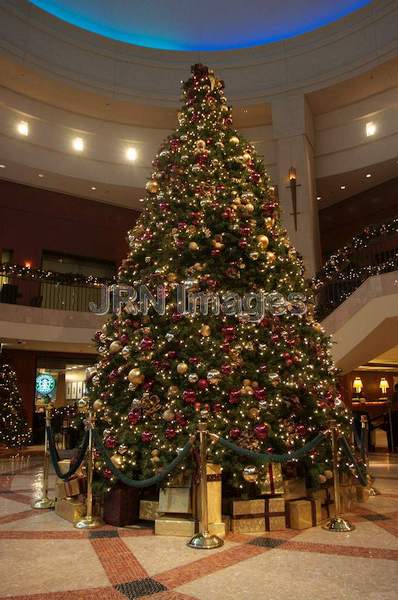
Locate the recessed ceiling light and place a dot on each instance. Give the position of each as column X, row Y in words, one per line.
column 93, row 188
column 368, row 175
column 2, row 166
column 131, row 153
column 41, row 175
column 342, row 187
column 23, row 128
column 319, row 197
column 78, row 144
column 371, row 128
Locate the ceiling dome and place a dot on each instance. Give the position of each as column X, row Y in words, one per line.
column 199, row 25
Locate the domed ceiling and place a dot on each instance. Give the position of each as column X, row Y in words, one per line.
column 199, row 24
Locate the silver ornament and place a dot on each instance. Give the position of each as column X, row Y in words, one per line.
column 193, row 377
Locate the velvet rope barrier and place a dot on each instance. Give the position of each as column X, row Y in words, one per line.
column 55, row 457
column 265, row 457
column 140, row 483
column 360, row 469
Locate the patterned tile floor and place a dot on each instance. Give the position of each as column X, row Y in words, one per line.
column 43, row 558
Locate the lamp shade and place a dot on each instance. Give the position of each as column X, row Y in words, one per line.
column 384, row 385
column 357, row 385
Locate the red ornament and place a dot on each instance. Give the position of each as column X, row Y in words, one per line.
column 124, row 338
column 203, row 384
column 261, row 431
column 146, row 343
column 234, row 397
column 226, row 369
column 288, row 362
column 234, row 433
column 110, row 441
column 260, row 394
column 215, row 252
column 146, row 437
column 217, row 407
column 113, row 375
column 189, row 396
column 134, row 416
column 107, row 473
column 164, row 206
column 170, row 433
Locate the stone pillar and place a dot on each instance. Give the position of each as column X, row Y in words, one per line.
column 294, row 136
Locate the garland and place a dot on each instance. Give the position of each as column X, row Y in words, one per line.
column 140, row 483
column 9, row 270
column 265, row 457
column 55, row 457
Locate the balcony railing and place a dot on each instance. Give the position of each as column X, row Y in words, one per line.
column 47, row 289
column 372, row 252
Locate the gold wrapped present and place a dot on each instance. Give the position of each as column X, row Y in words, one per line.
column 304, row 513
column 175, row 500
column 64, row 465
column 60, row 489
column 248, row 516
column 70, row 509
column 149, row 510
column 271, row 480
column 177, row 526
column 275, row 514
column 294, row 489
column 219, row 529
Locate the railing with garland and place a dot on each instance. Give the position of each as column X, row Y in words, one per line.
column 373, row 252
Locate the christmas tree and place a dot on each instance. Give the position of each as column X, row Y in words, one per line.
column 14, row 430
column 211, row 224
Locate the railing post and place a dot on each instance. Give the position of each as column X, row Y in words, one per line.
column 203, row 539
column 45, row 501
column 336, row 523
column 365, row 429
column 89, row 521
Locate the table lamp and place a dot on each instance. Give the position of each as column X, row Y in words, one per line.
column 384, row 385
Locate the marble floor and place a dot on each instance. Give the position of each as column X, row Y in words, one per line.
column 42, row 557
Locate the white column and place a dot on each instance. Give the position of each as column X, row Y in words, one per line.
column 294, row 136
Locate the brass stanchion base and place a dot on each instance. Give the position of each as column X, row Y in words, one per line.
column 339, row 525
column 89, row 523
column 205, row 541
column 44, row 503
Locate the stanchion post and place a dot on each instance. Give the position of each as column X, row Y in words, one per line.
column 45, row 501
column 336, row 523
column 365, row 427
column 89, row 521
column 203, row 539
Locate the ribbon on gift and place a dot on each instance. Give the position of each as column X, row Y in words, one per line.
column 213, row 477
column 268, row 514
column 313, row 510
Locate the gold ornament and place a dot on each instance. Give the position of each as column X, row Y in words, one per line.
column 205, row 330
column 247, row 157
column 82, row 404
column 263, row 241
column 97, row 405
column 115, row 347
column 234, row 140
column 152, row 186
column 135, row 376
column 171, row 277
column 98, row 465
column 117, row 460
column 182, row 368
column 269, row 222
column 271, row 257
column 254, row 413
column 193, row 246
column 250, row 474
column 249, row 207
column 328, row 474
column 168, row 415
column 201, row 144
column 173, row 389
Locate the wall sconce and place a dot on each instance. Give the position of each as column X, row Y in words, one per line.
column 293, row 185
column 357, row 385
column 28, row 264
column 384, row 385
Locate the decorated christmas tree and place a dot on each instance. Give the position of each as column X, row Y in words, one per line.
column 210, row 238
column 14, row 429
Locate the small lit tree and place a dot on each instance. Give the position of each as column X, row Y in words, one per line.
column 14, row 429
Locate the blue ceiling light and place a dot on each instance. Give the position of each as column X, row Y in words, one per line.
column 204, row 25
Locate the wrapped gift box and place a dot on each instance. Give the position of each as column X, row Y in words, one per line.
column 248, row 516
column 70, row 509
column 271, row 480
column 60, row 489
column 149, row 510
column 121, row 505
column 304, row 513
column 294, row 489
column 175, row 500
column 177, row 526
column 275, row 514
column 221, row 529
